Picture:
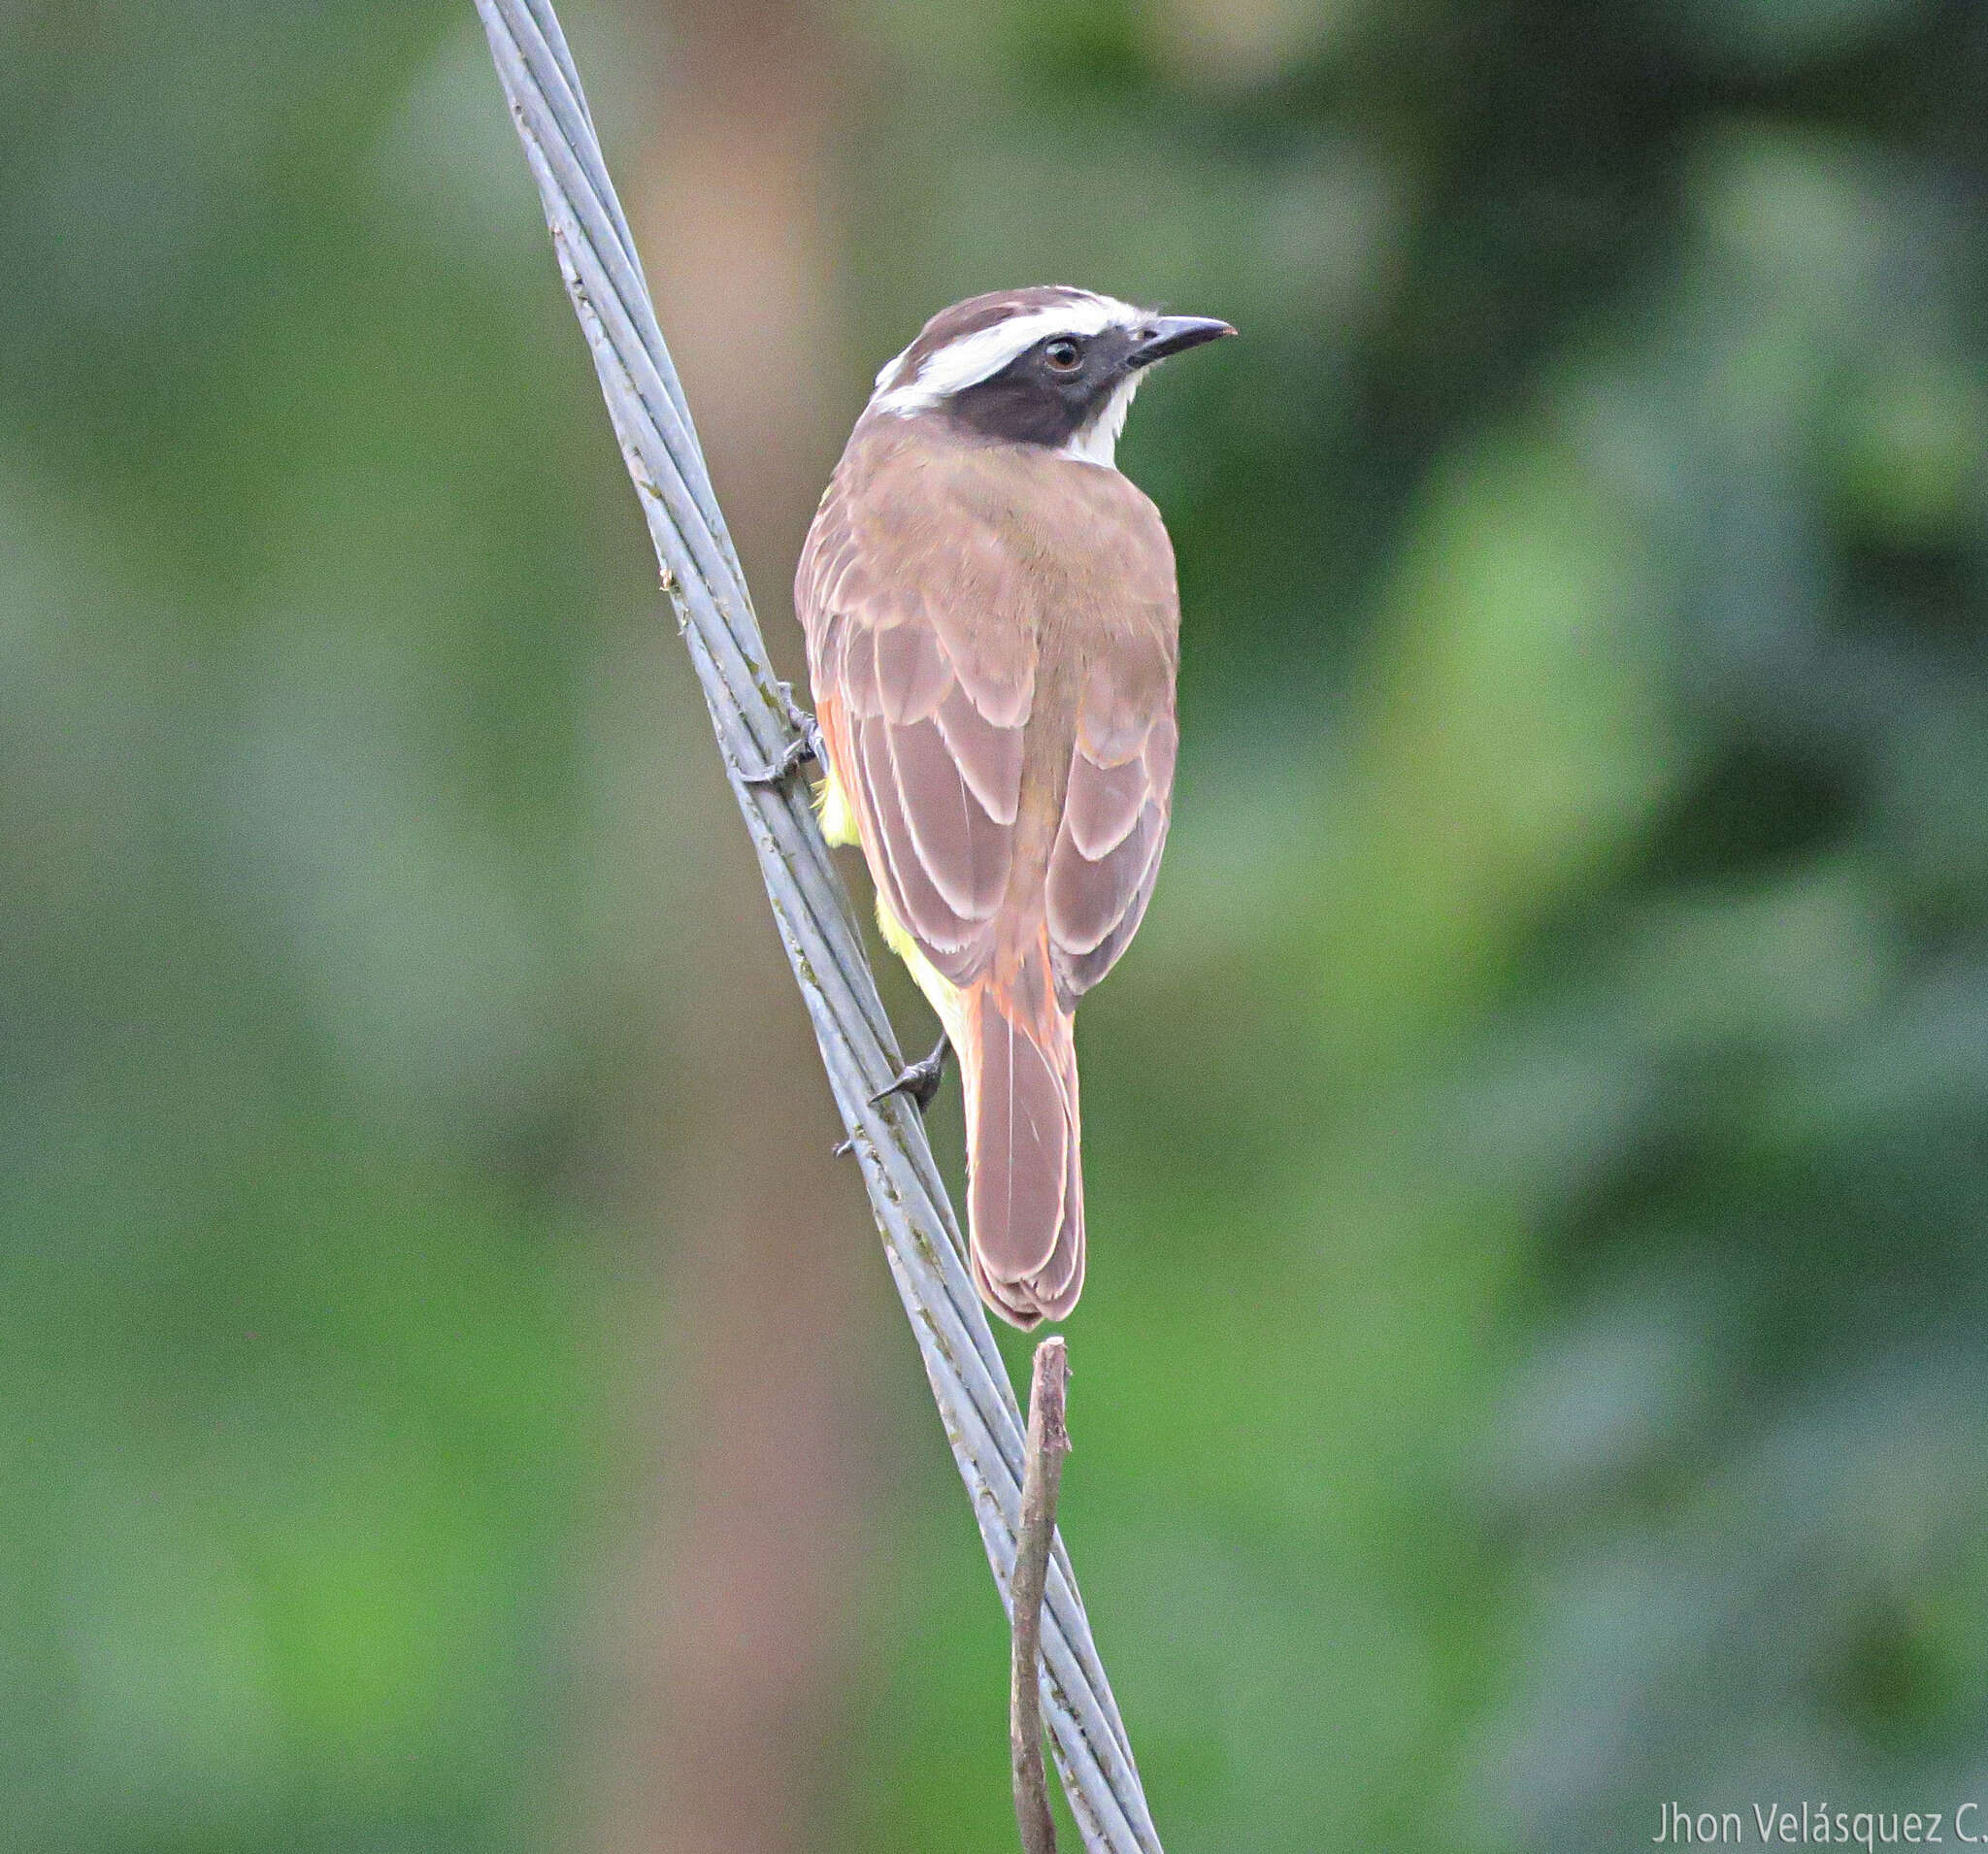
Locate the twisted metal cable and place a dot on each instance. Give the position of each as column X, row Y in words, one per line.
column 751, row 715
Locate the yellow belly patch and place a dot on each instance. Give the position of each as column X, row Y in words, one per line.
column 838, row 816
column 940, row 993
column 839, row 825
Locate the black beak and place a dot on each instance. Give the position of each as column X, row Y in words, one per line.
column 1168, row 335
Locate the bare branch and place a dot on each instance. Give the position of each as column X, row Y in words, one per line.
column 750, row 714
column 1041, row 1480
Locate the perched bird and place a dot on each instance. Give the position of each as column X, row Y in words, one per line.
column 993, row 630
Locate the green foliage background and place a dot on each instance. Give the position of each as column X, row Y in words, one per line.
column 1532, row 1367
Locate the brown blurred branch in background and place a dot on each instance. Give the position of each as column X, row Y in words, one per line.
column 1042, row 1481
column 750, row 1548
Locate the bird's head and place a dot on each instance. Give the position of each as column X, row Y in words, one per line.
column 1045, row 365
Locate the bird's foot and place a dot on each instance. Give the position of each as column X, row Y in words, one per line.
column 919, row 1080
column 806, row 744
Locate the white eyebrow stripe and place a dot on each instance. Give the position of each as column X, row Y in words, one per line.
column 983, row 355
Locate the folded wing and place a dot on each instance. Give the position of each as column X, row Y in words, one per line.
column 925, row 717
column 1115, row 809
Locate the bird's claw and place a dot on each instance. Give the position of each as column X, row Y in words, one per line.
column 919, row 1080
column 806, row 744
column 792, row 758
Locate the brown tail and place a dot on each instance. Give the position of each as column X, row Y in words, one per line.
column 1024, row 1173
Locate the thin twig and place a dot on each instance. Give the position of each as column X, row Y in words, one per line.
column 750, row 714
column 1041, row 1482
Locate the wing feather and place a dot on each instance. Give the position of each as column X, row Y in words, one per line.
column 950, row 940
column 964, row 851
column 1102, row 803
column 988, row 755
column 913, row 673
column 1107, row 856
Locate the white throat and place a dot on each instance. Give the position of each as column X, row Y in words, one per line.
column 1098, row 442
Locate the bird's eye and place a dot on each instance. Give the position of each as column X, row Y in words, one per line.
column 1065, row 356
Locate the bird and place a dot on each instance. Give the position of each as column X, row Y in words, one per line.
column 992, row 627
